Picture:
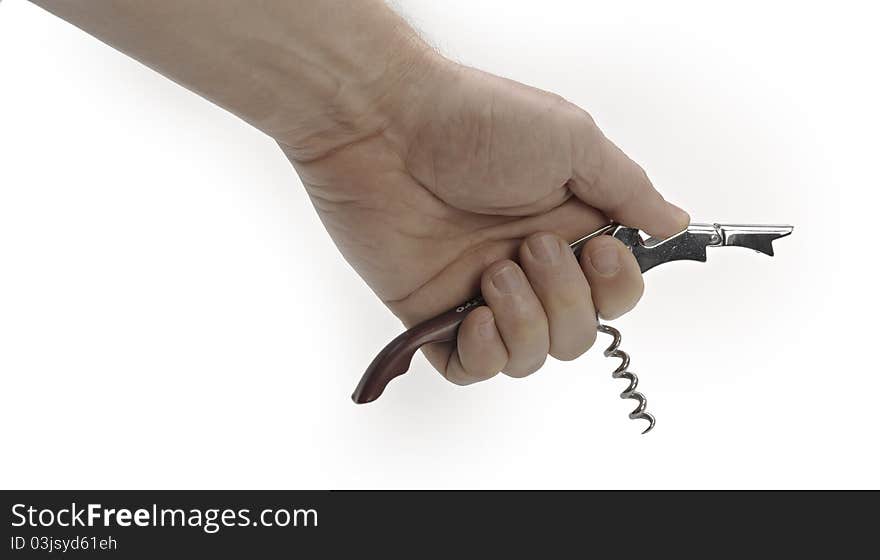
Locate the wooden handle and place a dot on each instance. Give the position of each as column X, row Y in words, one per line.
column 395, row 358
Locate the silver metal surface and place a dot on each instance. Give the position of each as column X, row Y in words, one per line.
column 614, row 351
column 690, row 244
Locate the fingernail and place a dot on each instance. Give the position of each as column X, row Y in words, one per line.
column 486, row 329
column 605, row 261
column 506, row 280
column 544, row 248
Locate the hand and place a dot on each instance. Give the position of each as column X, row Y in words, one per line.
column 471, row 172
column 430, row 176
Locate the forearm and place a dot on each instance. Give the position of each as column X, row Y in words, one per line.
column 312, row 74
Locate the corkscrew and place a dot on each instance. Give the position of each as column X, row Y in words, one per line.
column 622, row 372
column 689, row 244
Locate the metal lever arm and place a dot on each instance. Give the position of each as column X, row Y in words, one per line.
column 691, row 243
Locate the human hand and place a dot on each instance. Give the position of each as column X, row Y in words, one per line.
column 465, row 172
column 430, row 176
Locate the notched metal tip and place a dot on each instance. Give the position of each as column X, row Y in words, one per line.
column 757, row 237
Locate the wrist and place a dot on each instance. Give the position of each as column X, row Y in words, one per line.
column 375, row 83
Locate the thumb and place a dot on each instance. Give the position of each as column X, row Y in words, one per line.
column 606, row 178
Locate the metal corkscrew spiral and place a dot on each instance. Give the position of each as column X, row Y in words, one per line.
column 614, row 351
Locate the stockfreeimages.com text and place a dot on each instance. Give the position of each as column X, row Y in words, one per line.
column 210, row 520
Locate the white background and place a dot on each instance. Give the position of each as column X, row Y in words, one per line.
column 172, row 313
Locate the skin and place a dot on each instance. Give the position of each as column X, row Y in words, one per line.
column 435, row 180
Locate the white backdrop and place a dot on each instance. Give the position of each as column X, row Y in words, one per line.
column 173, row 315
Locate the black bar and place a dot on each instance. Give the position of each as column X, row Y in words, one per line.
column 635, row 524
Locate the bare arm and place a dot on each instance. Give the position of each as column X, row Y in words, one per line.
column 310, row 74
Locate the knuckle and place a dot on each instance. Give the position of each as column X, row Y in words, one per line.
column 462, row 377
column 644, row 180
column 589, row 152
column 613, row 310
column 556, row 101
column 569, row 299
column 519, row 372
column 458, row 380
column 567, row 354
column 638, row 292
column 528, row 324
column 452, row 375
column 634, row 294
column 589, row 128
column 610, row 313
column 590, row 335
column 574, row 349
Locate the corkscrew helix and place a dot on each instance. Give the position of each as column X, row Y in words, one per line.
column 622, row 372
column 689, row 244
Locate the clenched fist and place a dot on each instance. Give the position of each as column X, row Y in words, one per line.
column 469, row 182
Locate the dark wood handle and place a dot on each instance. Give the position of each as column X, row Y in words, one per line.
column 394, row 359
